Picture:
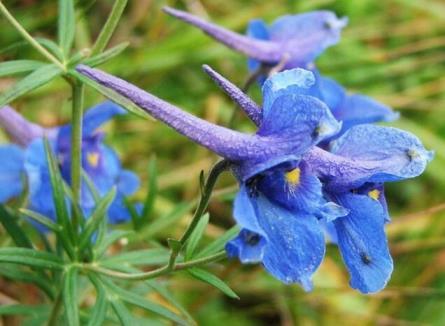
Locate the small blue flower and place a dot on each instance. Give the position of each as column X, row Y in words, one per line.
column 289, row 187
column 99, row 161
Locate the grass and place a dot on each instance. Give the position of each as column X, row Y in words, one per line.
column 392, row 50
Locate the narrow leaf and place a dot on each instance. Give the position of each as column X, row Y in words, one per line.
column 125, row 316
column 106, row 55
column 99, row 311
column 141, row 302
column 67, row 25
column 138, row 257
column 46, row 221
column 9, row 68
column 30, row 257
column 211, row 279
column 197, row 234
column 70, row 298
column 99, row 213
column 152, row 190
column 111, row 237
column 23, row 309
column 37, row 78
column 17, row 234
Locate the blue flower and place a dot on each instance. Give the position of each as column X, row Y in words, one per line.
column 295, row 40
column 100, row 162
column 289, row 187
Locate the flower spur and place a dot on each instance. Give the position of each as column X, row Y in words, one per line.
column 288, row 185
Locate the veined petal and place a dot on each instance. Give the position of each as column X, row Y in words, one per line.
column 252, row 110
column 294, row 81
column 21, row 131
column 305, row 36
column 363, row 244
column 369, row 153
column 264, row 51
column 295, row 243
column 254, row 150
column 11, row 170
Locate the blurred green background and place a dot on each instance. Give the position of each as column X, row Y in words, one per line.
column 392, row 50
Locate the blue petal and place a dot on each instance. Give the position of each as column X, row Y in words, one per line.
column 118, row 212
column 363, row 244
column 305, row 36
column 11, row 169
column 256, row 29
column 244, row 211
column 332, row 93
column 295, row 243
column 248, row 247
column 375, row 191
column 128, row 182
column 359, row 109
column 392, row 154
column 294, row 81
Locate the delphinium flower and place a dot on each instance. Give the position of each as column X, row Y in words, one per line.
column 295, row 41
column 289, row 187
column 26, row 161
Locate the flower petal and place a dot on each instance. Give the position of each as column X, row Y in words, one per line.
column 305, row 36
column 256, row 29
column 248, row 247
column 363, row 244
column 295, row 243
column 128, row 182
column 11, row 170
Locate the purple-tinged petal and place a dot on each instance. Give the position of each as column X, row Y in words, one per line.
column 363, row 244
column 11, row 171
column 264, row 51
column 252, row 110
column 256, row 29
column 305, row 36
column 21, row 131
column 248, row 247
column 272, row 143
column 295, row 243
column 369, row 153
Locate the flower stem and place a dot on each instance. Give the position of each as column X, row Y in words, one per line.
column 76, row 144
column 52, row 320
column 157, row 272
column 29, row 38
column 109, row 27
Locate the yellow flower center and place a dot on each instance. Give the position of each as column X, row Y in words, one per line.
column 374, row 194
column 293, row 177
column 93, row 159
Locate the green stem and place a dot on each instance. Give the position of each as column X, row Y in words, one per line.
column 52, row 320
column 76, row 145
column 157, row 272
column 109, row 27
column 29, row 38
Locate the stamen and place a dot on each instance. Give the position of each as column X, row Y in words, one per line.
column 93, row 159
column 293, row 177
column 374, row 194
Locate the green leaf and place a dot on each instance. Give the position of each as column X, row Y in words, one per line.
column 99, row 213
column 30, row 257
column 70, row 298
column 51, row 46
column 106, row 55
column 111, row 237
column 9, row 68
column 138, row 257
column 66, row 235
column 109, row 26
column 197, row 234
column 18, row 274
column 218, row 244
column 211, row 279
column 67, row 25
column 152, row 190
column 17, row 234
column 46, row 221
column 99, row 311
column 141, row 302
column 37, row 78
column 125, row 316
column 112, row 95
column 23, row 309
